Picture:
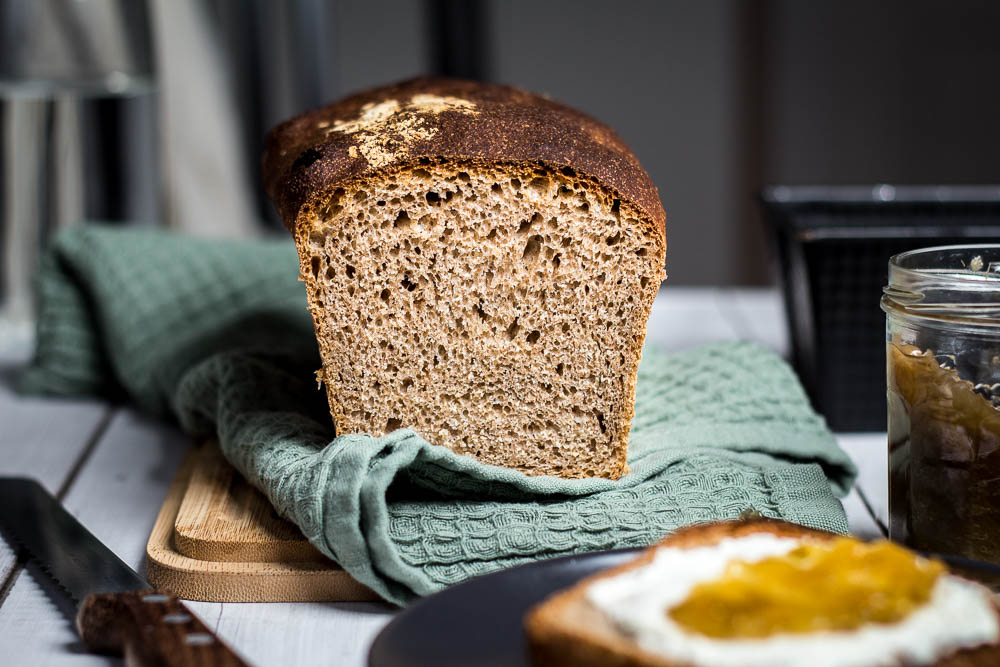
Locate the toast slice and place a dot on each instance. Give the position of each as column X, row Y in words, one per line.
column 566, row 630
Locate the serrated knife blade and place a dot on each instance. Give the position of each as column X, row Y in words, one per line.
column 76, row 559
column 119, row 612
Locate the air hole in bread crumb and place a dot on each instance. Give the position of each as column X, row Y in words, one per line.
column 330, row 273
column 315, row 266
column 531, row 248
column 407, row 384
column 405, row 282
column 513, row 329
column 383, row 344
column 421, row 173
column 568, row 171
column 534, row 336
column 641, row 252
column 643, row 281
column 496, row 188
column 350, row 271
column 402, row 220
column 600, row 422
column 433, row 198
column 616, row 206
column 479, row 310
column 384, row 294
column 464, row 176
column 393, row 424
column 565, row 328
column 559, row 369
column 539, row 184
column 492, row 235
column 380, row 202
column 612, row 240
column 515, row 183
column 556, row 261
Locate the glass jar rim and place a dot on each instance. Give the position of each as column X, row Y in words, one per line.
column 956, row 286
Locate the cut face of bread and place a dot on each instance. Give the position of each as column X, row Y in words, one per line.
column 496, row 309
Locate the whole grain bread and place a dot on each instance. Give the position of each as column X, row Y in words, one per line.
column 480, row 263
column 566, row 630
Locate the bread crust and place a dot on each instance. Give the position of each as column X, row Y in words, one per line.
column 590, row 640
column 307, row 157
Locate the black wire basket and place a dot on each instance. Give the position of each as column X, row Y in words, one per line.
column 833, row 246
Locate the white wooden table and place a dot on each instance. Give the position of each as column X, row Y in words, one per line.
column 111, row 467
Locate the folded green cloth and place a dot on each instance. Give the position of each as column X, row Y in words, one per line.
column 217, row 334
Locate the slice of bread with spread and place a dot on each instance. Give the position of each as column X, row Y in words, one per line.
column 761, row 592
column 480, row 264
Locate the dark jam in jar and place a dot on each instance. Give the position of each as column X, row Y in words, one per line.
column 942, row 310
column 944, row 455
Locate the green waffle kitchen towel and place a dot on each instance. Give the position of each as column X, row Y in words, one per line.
column 216, row 333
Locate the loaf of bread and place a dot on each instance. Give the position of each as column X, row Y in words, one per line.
column 851, row 605
column 480, row 264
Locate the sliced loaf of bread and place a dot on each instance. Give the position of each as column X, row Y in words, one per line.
column 480, row 264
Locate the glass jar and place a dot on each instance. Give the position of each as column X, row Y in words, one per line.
column 942, row 310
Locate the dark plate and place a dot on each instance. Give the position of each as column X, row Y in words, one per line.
column 479, row 622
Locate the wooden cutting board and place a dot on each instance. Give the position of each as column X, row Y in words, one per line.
column 218, row 539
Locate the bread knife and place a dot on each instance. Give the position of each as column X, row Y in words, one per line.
column 119, row 611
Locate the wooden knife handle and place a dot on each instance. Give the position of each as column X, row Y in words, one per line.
column 151, row 629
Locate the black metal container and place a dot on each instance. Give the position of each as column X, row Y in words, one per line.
column 832, row 245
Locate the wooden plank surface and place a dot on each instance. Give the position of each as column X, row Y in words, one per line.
column 115, row 495
column 685, row 317
column 40, row 438
column 870, row 452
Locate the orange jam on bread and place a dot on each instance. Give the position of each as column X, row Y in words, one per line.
column 839, row 584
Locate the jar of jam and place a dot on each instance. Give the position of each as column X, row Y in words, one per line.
column 942, row 310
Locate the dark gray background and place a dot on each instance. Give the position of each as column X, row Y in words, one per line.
column 716, row 97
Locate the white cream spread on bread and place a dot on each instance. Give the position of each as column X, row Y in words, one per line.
column 959, row 614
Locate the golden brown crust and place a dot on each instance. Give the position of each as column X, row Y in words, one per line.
column 565, row 630
column 388, row 128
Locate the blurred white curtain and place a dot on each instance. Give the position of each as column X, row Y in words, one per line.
column 206, row 188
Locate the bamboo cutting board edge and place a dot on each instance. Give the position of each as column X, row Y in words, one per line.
column 220, row 581
column 222, row 518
